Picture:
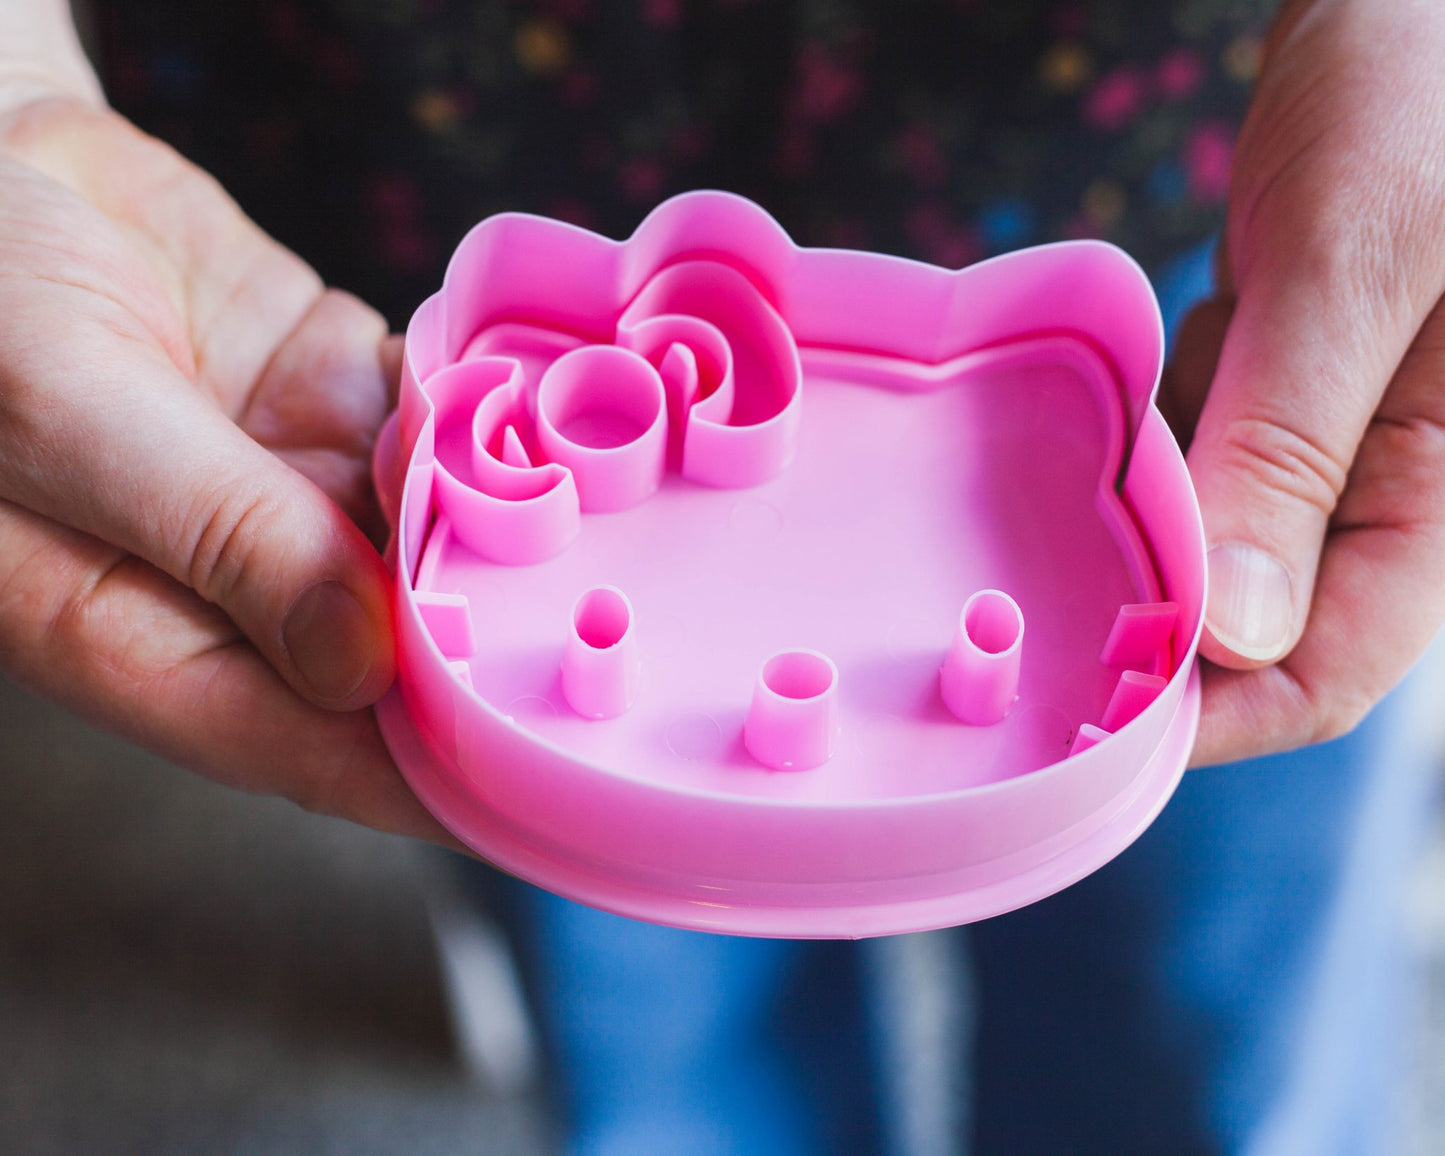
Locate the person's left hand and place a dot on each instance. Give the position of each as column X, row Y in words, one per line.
column 186, row 422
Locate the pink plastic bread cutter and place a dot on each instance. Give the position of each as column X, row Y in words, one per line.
column 786, row 591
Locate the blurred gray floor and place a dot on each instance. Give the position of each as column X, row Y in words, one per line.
column 184, row 969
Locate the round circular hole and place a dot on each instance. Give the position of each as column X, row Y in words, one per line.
column 992, row 621
column 798, row 674
column 602, row 617
column 600, row 397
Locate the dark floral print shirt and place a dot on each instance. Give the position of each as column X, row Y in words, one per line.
column 370, row 134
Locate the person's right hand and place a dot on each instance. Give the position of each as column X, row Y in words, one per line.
column 186, row 420
column 1313, row 386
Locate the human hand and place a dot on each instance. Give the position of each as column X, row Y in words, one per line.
column 1317, row 381
column 186, row 422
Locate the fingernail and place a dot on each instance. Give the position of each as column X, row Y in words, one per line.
column 1251, row 604
column 330, row 638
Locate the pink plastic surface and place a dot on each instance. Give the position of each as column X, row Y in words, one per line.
column 782, row 591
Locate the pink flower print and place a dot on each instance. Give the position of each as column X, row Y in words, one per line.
column 955, row 249
column 578, row 88
column 288, row 28
column 933, row 232
column 1069, row 19
column 921, row 155
column 845, row 233
column 826, row 88
column 464, row 100
column 641, row 179
column 796, row 152
column 925, row 223
column 574, row 211
column 396, row 206
column 1080, row 228
column 567, row 11
column 1180, row 74
column 596, row 151
column 1208, row 154
column 662, row 13
column 1115, row 99
column 690, row 141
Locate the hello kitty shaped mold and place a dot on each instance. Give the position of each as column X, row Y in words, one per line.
column 781, row 591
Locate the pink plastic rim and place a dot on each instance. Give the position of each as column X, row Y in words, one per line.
column 646, row 795
column 947, row 902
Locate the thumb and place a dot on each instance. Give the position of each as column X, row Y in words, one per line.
column 160, row 472
column 249, row 533
column 1304, row 365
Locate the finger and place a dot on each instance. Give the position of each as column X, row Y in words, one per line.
column 393, row 349
column 122, row 644
column 1270, row 454
column 1380, row 597
column 158, row 471
column 322, row 399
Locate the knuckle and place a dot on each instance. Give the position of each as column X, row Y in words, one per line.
column 1316, row 709
column 1284, row 461
column 317, row 794
column 352, row 310
column 1338, row 717
column 1414, row 448
column 1331, row 711
column 323, row 789
column 226, row 547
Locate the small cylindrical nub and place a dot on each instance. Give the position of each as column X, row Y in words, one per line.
column 980, row 676
column 793, row 721
column 601, row 666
